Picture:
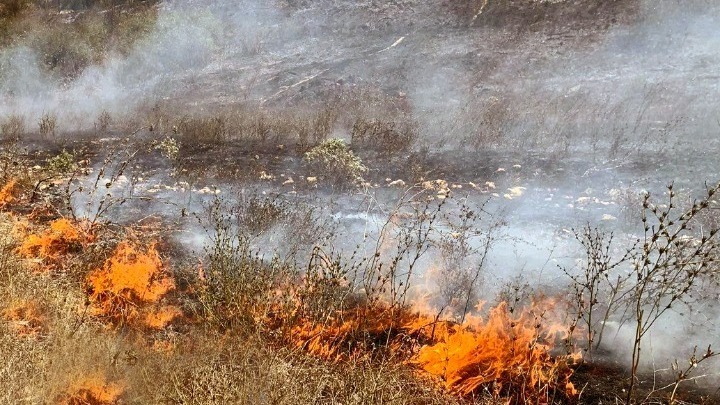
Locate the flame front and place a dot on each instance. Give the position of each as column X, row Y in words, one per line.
column 132, row 281
column 52, row 244
column 510, row 355
column 504, row 351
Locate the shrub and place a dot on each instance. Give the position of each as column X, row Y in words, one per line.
column 103, row 121
column 13, row 127
column 62, row 163
column 47, row 125
column 168, row 148
column 383, row 136
column 336, row 162
column 203, row 130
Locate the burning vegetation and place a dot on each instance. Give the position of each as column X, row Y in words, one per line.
column 6, row 193
column 511, row 356
column 92, row 391
column 312, row 241
column 51, row 245
column 130, row 286
column 25, row 318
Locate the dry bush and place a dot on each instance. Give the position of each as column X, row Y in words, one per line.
column 467, row 236
column 103, row 121
column 257, row 215
column 236, row 287
column 259, row 128
column 210, row 130
column 47, row 125
column 661, row 271
column 13, row 127
column 312, row 129
column 383, row 136
column 672, row 260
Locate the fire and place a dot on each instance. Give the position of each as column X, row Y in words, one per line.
column 6, row 193
column 25, row 318
column 95, row 391
column 132, row 279
column 353, row 334
column 504, row 351
column 161, row 317
column 511, row 355
column 55, row 242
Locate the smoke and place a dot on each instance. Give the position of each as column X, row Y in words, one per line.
column 628, row 108
column 186, row 38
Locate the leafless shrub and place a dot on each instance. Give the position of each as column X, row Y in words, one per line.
column 659, row 272
column 90, row 200
column 103, row 121
column 403, row 241
column 672, row 260
column 13, row 127
column 47, row 124
column 211, row 130
column 383, row 136
column 465, row 238
column 685, row 374
column 516, row 294
column 599, row 287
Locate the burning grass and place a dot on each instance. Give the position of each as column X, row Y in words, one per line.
column 26, row 318
column 512, row 357
column 130, row 285
column 93, row 391
column 7, row 193
column 51, row 245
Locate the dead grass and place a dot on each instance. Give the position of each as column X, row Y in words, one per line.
column 74, row 358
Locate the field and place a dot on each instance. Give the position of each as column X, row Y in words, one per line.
column 359, row 202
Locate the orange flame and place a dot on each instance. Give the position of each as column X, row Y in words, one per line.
column 511, row 355
column 505, row 350
column 354, row 333
column 25, row 318
column 7, row 193
column 162, row 317
column 55, row 242
column 95, row 391
column 129, row 280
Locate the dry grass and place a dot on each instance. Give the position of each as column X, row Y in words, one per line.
column 198, row 367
